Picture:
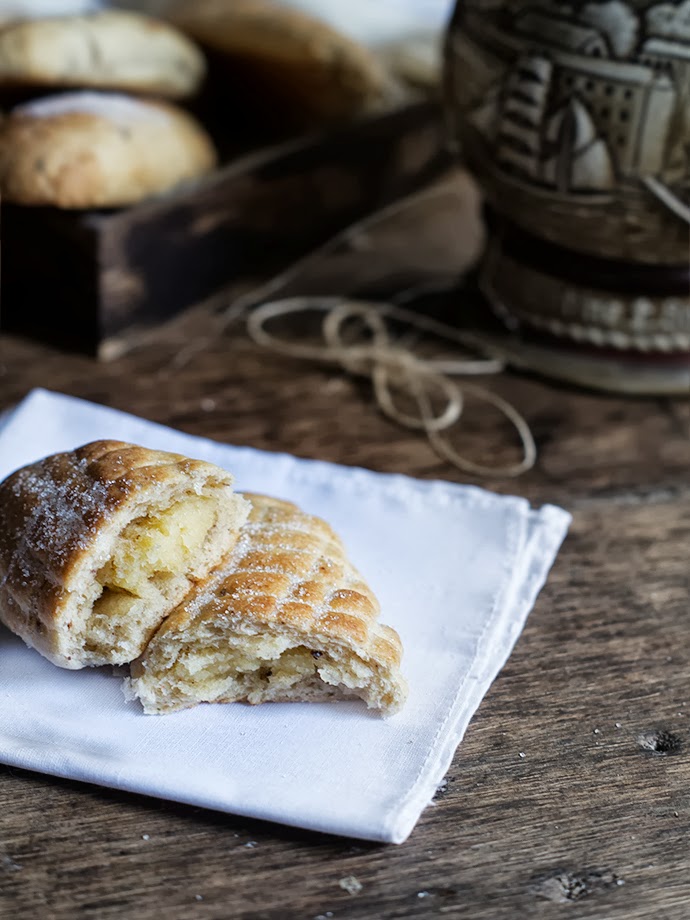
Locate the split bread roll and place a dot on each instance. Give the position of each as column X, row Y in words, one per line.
column 98, row 545
column 287, row 618
column 110, row 50
column 98, row 150
column 281, row 52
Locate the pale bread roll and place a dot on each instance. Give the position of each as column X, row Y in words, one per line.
column 99, row 544
column 93, row 150
column 287, row 618
column 300, row 60
column 109, row 50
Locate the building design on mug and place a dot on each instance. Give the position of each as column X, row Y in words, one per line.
column 575, row 119
column 569, row 115
column 564, row 110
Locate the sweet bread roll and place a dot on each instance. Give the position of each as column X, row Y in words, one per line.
column 99, row 544
column 110, row 50
column 98, row 150
column 287, row 618
column 282, row 53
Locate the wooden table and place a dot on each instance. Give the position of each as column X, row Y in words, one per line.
column 573, row 781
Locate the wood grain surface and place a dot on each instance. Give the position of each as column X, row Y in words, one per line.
column 570, row 795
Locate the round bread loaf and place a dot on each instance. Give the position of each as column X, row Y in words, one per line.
column 98, row 150
column 280, row 51
column 111, row 50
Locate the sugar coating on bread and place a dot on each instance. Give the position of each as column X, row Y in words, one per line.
column 98, row 545
column 287, row 618
column 115, row 107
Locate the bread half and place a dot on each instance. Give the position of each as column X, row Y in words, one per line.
column 99, row 544
column 287, row 618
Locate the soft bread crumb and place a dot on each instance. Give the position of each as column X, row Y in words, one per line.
column 157, row 547
column 151, row 555
column 287, row 618
column 257, row 669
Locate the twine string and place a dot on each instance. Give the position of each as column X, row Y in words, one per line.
column 356, row 337
column 355, row 236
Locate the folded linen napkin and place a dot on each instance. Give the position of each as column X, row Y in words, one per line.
column 456, row 568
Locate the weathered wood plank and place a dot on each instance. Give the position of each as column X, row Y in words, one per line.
column 592, row 447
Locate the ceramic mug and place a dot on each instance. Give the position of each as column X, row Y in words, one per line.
column 575, row 118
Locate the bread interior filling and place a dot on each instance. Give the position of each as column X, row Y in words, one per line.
column 150, row 555
column 256, row 669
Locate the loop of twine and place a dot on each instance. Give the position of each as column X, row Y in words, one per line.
column 395, row 369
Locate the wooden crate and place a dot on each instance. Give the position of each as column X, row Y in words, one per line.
column 82, row 279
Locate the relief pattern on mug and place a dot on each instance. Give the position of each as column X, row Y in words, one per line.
column 576, row 117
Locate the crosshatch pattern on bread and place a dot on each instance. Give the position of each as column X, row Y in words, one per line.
column 110, row 50
column 99, row 544
column 287, row 618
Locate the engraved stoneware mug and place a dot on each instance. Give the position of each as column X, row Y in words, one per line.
column 575, row 118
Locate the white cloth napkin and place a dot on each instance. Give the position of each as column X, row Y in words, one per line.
column 456, row 569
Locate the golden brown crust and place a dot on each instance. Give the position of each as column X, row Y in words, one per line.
column 287, row 567
column 51, row 513
column 54, row 516
column 110, row 154
column 305, row 61
column 288, row 576
column 110, row 50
